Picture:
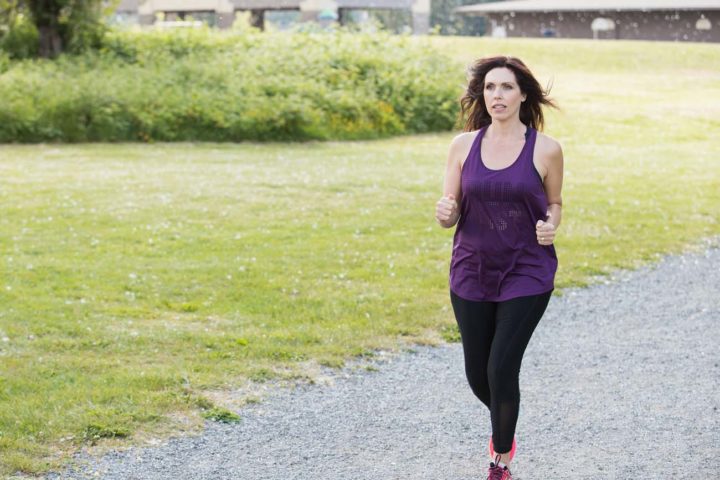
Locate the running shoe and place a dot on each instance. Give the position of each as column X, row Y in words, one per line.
column 496, row 472
column 512, row 449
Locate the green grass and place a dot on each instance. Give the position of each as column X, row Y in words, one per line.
column 143, row 284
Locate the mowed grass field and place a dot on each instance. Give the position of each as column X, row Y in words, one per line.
column 144, row 286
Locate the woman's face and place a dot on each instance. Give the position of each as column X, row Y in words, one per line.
column 502, row 94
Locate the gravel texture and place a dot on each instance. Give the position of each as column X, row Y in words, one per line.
column 619, row 381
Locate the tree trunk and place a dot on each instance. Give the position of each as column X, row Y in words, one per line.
column 50, row 42
column 46, row 16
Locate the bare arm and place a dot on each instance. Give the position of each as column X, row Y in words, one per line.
column 447, row 212
column 553, row 189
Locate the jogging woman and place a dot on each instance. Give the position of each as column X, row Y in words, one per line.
column 502, row 190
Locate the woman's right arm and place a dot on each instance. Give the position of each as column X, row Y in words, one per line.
column 447, row 211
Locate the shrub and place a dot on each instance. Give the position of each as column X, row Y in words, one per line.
column 20, row 41
column 217, row 86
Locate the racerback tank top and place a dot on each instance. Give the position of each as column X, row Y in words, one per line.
column 496, row 255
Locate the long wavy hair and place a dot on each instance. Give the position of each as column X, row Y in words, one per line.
column 472, row 103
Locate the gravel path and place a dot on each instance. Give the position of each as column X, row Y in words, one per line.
column 619, row 381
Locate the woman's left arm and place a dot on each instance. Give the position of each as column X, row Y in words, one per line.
column 553, row 189
column 553, row 183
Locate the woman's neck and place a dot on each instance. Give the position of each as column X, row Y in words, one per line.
column 508, row 130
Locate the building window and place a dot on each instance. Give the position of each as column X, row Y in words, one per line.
column 600, row 25
column 185, row 19
column 120, row 19
column 498, row 31
column 703, row 23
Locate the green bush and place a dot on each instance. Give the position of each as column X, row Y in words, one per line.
column 21, row 40
column 217, row 86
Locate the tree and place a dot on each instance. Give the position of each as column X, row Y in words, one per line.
column 62, row 25
column 449, row 23
column 18, row 35
column 46, row 16
column 8, row 9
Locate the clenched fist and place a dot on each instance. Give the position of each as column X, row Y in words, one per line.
column 446, row 211
column 545, row 231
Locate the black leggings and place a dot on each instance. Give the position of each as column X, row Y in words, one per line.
column 494, row 337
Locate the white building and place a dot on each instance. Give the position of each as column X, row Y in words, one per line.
column 221, row 13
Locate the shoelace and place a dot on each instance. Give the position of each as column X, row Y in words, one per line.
column 495, row 472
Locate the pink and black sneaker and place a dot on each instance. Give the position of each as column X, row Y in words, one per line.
column 491, row 449
column 498, row 471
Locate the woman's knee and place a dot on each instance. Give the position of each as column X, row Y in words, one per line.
column 502, row 377
column 479, row 387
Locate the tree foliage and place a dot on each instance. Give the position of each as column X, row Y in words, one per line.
column 47, row 28
column 445, row 22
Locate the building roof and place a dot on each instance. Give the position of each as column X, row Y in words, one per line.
column 588, row 5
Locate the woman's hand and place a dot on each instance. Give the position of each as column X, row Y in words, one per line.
column 545, row 231
column 446, row 211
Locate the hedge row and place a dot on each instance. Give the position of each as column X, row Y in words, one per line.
column 216, row 86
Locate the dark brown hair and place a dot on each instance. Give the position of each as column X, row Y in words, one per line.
column 472, row 103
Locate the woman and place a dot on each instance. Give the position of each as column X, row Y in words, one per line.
column 502, row 189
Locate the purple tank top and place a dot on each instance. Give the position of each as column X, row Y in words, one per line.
column 496, row 255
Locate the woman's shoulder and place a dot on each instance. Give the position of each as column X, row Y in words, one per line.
column 464, row 137
column 547, row 147
column 463, row 141
column 461, row 145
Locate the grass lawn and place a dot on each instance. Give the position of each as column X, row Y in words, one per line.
column 142, row 283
